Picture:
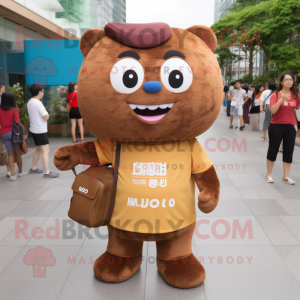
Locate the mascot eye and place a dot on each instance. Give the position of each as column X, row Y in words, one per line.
column 127, row 75
column 176, row 75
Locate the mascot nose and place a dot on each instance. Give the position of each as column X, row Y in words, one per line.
column 152, row 86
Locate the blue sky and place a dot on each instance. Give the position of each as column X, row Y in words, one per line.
column 177, row 13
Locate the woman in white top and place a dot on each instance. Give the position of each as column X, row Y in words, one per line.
column 265, row 106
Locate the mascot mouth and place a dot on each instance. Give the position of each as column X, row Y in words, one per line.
column 151, row 113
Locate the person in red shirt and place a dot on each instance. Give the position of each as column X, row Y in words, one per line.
column 9, row 113
column 74, row 112
column 283, row 104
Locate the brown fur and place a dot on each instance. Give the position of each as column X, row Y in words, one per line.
column 209, row 187
column 193, row 113
column 107, row 113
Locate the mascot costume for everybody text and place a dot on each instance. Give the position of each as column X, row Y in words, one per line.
column 151, row 89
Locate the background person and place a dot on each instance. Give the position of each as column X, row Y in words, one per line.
column 38, row 126
column 237, row 98
column 3, row 150
column 265, row 107
column 231, row 89
column 246, row 106
column 2, row 90
column 9, row 113
column 283, row 104
column 254, row 117
column 74, row 112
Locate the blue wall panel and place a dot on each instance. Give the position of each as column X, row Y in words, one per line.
column 52, row 62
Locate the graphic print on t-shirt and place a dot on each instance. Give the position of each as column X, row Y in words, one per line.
column 149, row 174
column 155, row 188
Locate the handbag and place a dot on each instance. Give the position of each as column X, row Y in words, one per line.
column 69, row 104
column 254, row 109
column 18, row 132
column 94, row 192
column 24, row 147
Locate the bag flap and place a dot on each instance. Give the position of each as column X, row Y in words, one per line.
column 86, row 186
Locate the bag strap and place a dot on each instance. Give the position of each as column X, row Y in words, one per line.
column 72, row 97
column 268, row 97
column 117, row 162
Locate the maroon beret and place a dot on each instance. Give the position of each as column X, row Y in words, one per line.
column 145, row 35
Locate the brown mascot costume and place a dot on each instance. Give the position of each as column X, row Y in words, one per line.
column 153, row 89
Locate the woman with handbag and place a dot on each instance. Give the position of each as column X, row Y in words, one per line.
column 8, row 114
column 282, row 127
column 74, row 112
column 255, row 108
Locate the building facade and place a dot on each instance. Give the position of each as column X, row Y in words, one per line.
column 237, row 70
column 49, row 22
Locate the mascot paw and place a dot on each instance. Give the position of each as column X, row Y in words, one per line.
column 112, row 268
column 63, row 159
column 207, row 202
column 182, row 273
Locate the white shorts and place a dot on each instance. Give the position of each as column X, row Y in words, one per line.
column 236, row 110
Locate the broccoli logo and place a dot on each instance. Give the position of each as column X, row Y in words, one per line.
column 41, row 68
column 39, row 258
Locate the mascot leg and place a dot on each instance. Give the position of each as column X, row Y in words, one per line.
column 175, row 261
column 122, row 259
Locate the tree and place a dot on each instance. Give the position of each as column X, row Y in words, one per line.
column 281, row 35
column 243, row 28
column 226, row 58
column 239, row 5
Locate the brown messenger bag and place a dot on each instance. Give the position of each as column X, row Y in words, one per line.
column 94, row 192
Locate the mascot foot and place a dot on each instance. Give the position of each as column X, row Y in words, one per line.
column 112, row 268
column 183, row 272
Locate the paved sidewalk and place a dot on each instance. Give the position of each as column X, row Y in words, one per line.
column 250, row 244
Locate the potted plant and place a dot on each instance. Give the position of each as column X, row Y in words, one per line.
column 58, row 120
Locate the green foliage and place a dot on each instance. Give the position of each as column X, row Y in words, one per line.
column 17, row 91
column 242, row 4
column 21, row 104
column 271, row 25
column 281, row 35
column 248, row 78
column 58, row 113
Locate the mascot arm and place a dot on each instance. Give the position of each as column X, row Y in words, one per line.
column 68, row 157
column 209, row 187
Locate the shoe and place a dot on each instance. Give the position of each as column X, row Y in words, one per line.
column 36, row 171
column 74, row 142
column 242, row 127
column 232, row 127
column 269, row 179
column 51, row 175
column 22, row 174
column 13, row 177
column 288, row 181
column 82, row 141
column 8, row 174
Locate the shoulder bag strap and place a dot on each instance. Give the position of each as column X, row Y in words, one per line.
column 268, row 97
column 116, row 171
column 117, row 163
column 72, row 98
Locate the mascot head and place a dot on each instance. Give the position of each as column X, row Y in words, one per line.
column 149, row 82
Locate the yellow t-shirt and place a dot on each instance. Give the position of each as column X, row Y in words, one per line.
column 155, row 189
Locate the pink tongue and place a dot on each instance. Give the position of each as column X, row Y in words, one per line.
column 152, row 119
